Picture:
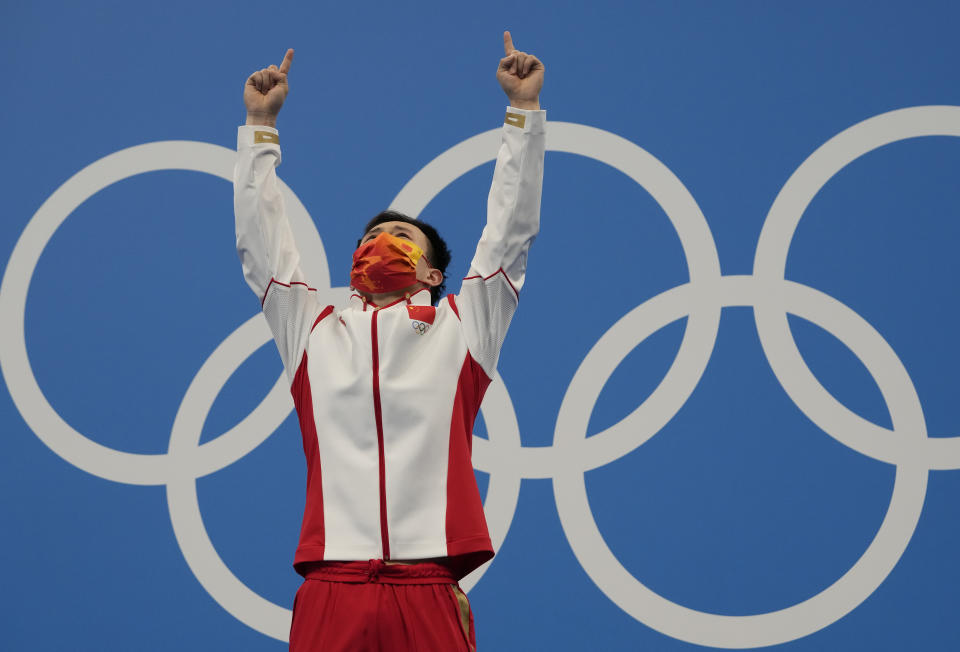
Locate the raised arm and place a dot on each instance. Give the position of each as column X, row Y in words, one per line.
column 271, row 262
column 489, row 295
column 513, row 205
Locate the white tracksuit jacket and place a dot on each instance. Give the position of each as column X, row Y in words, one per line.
column 387, row 397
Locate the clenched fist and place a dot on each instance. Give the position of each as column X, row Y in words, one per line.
column 265, row 91
column 520, row 75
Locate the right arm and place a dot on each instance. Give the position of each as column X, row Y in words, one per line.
column 268, row 253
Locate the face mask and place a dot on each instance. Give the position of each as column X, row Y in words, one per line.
column 385, row 264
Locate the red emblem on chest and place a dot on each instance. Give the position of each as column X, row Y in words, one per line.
column 425, row 314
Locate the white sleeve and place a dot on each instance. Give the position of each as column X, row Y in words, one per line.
column 268, row 253
column 490, row 292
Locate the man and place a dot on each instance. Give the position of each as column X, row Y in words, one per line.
column 387, row 390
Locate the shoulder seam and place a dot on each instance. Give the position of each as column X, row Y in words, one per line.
column 453, row 305
column 326, row 311
column 487, row 278
column 286, row 285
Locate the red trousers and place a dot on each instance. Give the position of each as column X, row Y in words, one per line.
column 359, row 606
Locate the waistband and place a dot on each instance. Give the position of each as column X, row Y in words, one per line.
column 379, row 571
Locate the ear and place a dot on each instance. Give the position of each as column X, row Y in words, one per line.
column 433, row 277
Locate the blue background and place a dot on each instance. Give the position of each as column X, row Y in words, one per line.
column 739, row 505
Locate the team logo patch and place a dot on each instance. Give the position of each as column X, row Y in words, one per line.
column 421, row 318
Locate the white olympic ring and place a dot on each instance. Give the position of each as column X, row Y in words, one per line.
column 502, row 456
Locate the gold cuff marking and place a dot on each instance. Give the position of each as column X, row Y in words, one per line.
column 266, row 137
column 515, row 119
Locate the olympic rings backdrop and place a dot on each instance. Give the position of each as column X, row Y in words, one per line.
column 726, row 412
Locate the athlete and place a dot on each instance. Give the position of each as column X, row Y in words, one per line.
column 387, row 389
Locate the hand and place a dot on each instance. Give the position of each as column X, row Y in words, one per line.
column 265, row 91
column 520, row 75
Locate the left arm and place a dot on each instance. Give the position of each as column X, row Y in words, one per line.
column 490, row 293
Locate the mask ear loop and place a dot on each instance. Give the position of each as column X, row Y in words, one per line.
column 425, row 286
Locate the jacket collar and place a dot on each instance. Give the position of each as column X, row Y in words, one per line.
column 420, row 297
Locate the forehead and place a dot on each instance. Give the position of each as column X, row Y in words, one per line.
column 394, row 226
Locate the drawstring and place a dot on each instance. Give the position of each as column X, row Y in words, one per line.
column 374, row 566
column 380, row 571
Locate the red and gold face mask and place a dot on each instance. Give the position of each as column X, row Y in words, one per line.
column 385, row 264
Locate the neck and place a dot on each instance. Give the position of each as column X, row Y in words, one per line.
column 386, row 298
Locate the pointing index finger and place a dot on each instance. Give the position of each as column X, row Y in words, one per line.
column 507, row 43
column 287, row 60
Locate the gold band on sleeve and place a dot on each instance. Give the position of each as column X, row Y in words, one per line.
column 515, row 119
column 266, row 137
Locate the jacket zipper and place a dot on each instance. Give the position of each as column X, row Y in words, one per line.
column 384, row 533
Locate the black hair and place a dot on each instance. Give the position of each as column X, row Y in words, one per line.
column 438, row 254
